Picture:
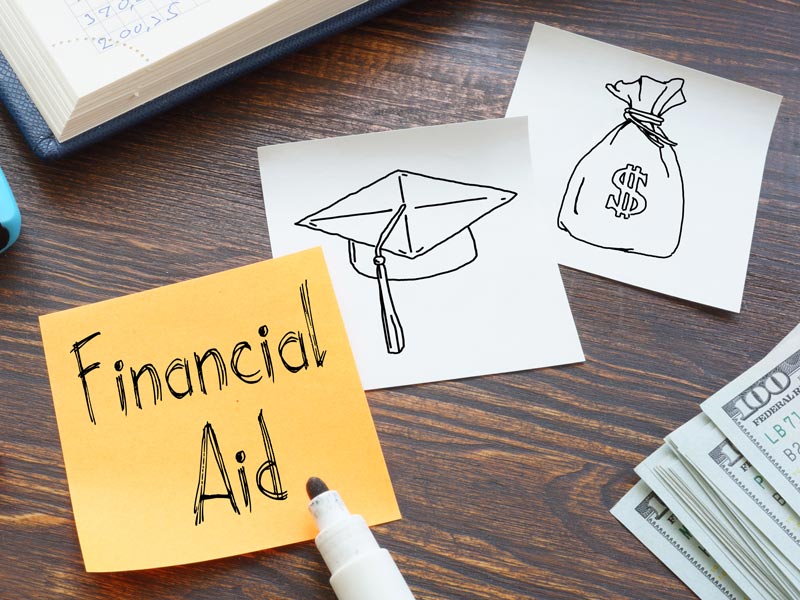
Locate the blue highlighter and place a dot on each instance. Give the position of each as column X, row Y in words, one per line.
column 10, row 219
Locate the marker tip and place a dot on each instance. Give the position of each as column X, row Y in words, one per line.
column 314, row 487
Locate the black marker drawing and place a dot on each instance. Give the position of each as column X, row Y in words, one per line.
column 184, row 376
column 626, row 193
column 406, row 226
column 272, row 490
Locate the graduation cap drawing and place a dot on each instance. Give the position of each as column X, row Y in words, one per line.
column 407, row 226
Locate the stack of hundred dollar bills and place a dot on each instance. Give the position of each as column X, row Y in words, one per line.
column 719, row 502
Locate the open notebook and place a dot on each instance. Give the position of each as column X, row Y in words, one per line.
column 75, row 71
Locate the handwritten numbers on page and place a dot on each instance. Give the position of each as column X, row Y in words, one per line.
column 110, row 22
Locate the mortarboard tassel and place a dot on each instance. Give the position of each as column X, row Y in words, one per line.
column 392, row 329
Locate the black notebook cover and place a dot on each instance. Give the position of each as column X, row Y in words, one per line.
column 45, row 145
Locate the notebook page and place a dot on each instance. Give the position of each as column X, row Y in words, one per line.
column 97, row 42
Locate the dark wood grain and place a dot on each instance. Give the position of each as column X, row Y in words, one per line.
column 505, row 482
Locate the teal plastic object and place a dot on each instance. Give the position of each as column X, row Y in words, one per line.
column 10, row 219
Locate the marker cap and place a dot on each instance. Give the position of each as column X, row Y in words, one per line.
column 373, row 576
column 10, row 218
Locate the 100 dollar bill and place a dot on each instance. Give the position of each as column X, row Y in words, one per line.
column 710, row 522
column 762, row 419
column 702, row 444
column 643, row 513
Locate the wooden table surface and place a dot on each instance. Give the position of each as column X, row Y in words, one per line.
column 505, row 482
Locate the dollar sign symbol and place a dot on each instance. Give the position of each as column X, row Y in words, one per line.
column 629, row 200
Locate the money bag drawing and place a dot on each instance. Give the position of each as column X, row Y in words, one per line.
column 407, row 226
column 626, row 193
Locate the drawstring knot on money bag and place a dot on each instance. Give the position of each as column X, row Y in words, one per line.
column 626, row 193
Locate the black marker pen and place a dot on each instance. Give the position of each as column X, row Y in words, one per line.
column 360, row 569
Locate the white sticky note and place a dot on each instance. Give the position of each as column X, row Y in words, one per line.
column 433, row 245
column 646, row 172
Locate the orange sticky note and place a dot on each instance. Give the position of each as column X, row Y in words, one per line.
column 191, row 416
